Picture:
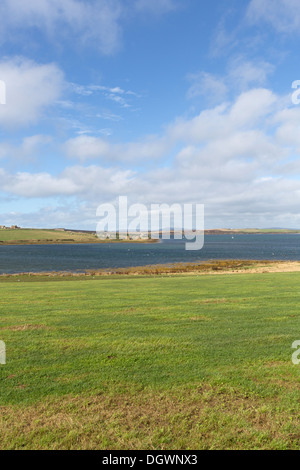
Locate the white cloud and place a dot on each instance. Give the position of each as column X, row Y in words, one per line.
column 85, row 147
column 118, row 99
column 92, row 22
column 239, row 159
column 283, row 15
column 96, row 23
column 251, row 106
column 73, row 181
column 245, row 73
column 116, row 94
column 224, row 39
column 242, row 75
column 88, row 147
column 108, row 116
column 30, row 88
column 206, row 84
column 249, row 109
column 29, row 147
column 36, row 185
column 288, row 128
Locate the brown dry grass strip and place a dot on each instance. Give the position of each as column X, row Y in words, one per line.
column 203, row 418
column 203, row 268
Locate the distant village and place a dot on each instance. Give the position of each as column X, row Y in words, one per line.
column 129, row 236
column 106, row 235
column 16, row 227
column 102, row 236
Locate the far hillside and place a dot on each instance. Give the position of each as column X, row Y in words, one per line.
column 22, row 236
column 35, row 236
column 251, row 230
column 26, row 236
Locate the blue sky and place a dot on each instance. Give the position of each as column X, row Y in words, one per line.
column 164, row 101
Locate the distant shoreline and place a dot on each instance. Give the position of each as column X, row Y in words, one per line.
column 213, row 267
column 251, row 232
column 22, row 237
column 66, row 242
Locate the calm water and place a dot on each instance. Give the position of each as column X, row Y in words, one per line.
column 15, row 259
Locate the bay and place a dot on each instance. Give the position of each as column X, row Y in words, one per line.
column 80, row 257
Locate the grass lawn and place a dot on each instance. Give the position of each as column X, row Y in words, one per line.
column 183, row 362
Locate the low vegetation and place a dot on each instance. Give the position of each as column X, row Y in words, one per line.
column 150, row 362
column 205, row 267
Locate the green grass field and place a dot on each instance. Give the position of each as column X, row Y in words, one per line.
column 183, row 362
column 26, row 236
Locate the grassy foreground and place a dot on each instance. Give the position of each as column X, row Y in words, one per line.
column 183, row 362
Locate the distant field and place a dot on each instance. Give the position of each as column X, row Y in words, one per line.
column 51, row 236
column 267, row 230
column 36, row 236
column 253, row 230
column 183, row 362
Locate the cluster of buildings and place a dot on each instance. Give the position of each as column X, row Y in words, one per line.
column 13, row 227
column 129, row 236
